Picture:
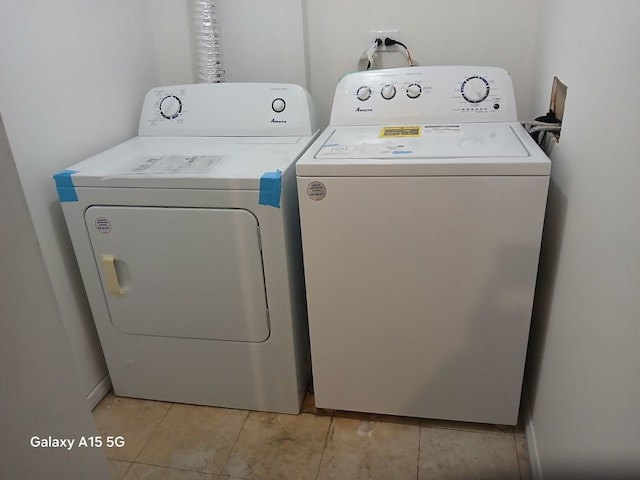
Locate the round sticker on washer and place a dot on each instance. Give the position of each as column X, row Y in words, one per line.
column 316, row 191
column 103, row 225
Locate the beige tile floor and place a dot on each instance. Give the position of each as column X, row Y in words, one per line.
column 168, row 441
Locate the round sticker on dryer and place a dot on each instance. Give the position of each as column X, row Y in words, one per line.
column 316, row 190
column 103, row 225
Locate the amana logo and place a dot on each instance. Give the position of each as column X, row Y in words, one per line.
column 358, row 109
column 273, row 120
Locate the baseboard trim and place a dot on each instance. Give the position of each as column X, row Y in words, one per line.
column 98, row 393
column 532, row 446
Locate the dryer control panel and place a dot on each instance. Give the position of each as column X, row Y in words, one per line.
column 431, row 94
column 228, row 109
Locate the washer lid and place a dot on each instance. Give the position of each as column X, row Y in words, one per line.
column 444, row 149
column 189, row 162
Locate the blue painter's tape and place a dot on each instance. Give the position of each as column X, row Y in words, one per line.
column 64, row 186
column 270, row 189
column 401, row 152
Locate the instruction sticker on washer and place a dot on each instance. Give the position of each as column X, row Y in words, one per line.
column 173, row 164
column 363, row 150
column 442, row 129
column 316, row 191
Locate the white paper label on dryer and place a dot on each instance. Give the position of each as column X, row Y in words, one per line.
column 103, row 225
column 173, row 164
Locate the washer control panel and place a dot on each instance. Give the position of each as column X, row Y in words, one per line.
column 430, row 94
column 228, row 109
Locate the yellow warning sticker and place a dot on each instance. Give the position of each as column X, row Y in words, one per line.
column 401, row 131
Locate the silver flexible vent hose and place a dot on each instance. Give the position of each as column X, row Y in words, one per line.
column 208, row 49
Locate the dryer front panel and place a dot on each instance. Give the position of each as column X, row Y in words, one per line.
column 181, row 272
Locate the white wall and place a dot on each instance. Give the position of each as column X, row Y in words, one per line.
column 438, row 32
column 170, row 24
column 39, row 390
column 261, row 41
column 73, row 76
column 315, row 42
column 584, row 365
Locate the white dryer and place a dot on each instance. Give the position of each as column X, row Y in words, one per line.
column 422, row 207
column 187, row 238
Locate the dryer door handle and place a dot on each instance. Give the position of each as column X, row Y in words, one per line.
column 109, row 268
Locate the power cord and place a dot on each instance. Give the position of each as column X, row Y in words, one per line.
column 388, row 42
column 366, row 59
column 539, row 127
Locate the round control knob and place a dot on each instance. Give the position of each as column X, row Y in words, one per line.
column 363, row 93
column 475, row 89
column 388, row 92
column 278, row 105
column 170, row 107
column 414, row 90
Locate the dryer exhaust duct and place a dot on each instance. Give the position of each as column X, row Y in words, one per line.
column 206, row 39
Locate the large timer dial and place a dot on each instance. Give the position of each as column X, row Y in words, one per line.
column 170, row 107
column 475, row 89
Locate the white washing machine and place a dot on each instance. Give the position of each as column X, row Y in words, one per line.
column 188, row 241
column 421, row 208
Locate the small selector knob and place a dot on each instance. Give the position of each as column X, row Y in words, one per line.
column 388, row 92
column 170, row 107
column 414, row 90
column 363, row 93
column 278, row 105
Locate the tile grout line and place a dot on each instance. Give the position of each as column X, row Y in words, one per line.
column 515, row 446
column 488, row 431
column 126, row 471
column 172, row 468
column 324, row 448
column 215, row 475
column 419, row 449
column 235, row 441
column 153, row 433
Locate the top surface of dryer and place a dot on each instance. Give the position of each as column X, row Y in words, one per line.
column 225, row 135
column 448, row 120
column 190, row 162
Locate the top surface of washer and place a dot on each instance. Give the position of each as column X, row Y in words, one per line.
column 423, row 141
column 436, row 120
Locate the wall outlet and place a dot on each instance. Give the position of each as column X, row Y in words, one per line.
column 382, row 34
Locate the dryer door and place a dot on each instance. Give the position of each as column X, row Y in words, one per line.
column 181, row 272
